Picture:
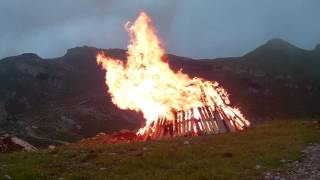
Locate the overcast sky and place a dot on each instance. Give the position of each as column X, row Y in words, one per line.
column 192, row 28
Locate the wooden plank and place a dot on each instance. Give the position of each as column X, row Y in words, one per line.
column 230, row 125
column 222, row 127
column 212, row 123
column 203, row 121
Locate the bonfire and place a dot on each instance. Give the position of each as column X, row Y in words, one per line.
column 173, row 104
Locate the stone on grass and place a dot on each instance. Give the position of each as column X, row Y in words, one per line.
column 185, row 142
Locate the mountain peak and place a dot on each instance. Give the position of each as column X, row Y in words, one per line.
column 317, row 48
column 274, row 46
column 30, row 55
column 24, row 56
column 81, row 50
column 278, row 43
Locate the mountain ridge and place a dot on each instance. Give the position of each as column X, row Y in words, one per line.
column 65, row 98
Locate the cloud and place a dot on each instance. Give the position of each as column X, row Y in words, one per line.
column 200, row 29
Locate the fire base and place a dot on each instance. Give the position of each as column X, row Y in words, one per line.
column 185, row 124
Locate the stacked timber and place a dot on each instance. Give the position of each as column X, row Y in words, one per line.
column 201, row 121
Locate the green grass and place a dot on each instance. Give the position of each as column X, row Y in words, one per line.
column 224, row 156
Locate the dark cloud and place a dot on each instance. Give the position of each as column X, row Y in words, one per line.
column 200, row 29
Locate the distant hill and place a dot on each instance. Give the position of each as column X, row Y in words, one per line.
column 63, row 99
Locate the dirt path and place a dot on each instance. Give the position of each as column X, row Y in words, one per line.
column 307, row 169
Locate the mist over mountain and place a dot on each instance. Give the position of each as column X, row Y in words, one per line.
column 64, row 99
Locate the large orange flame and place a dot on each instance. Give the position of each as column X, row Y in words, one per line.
column 146, row 83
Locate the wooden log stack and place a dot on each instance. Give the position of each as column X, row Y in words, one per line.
column 210, row 121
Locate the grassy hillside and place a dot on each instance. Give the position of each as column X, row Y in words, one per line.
column 40, row 99
column 242, row 155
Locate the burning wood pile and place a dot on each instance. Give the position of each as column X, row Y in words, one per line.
column 186, row 124
column 172, row 103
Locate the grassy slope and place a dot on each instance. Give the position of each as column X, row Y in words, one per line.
column 224, row 156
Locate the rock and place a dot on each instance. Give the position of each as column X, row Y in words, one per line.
column 10, row 143
column 7, row 177
column 283, row 161
column 257, row 167
column 34, row 127
column 268, row 174
column 24, row 144
column 100, row 134
column 307, row 168
column 51, row 147
column 185, row 142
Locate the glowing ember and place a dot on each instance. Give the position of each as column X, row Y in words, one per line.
column 173, row 100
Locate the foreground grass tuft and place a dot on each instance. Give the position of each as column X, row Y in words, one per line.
column 244, row 155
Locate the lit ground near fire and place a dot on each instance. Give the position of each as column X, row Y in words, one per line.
column 244, row 155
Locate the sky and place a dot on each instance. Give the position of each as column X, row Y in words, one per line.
column 190, row 28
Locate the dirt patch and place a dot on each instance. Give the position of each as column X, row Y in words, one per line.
column 308, row 168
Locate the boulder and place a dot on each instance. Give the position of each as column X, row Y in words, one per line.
column 10, row 143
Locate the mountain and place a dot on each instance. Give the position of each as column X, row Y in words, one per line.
column 278, row 56
column 58, row 100
column 63, row 99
